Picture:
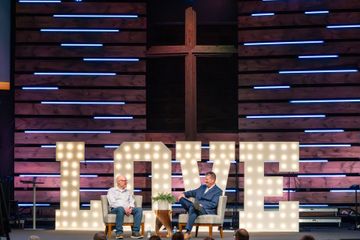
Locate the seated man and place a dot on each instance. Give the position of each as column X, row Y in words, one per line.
column 122, row 203
column 206, row 201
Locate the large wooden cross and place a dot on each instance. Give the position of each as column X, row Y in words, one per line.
column 190, row 50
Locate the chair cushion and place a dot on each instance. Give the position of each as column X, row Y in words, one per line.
column 203, row 219
column 111, row 218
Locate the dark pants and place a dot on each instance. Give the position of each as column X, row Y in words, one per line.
column 120, row 213
column 193, row 213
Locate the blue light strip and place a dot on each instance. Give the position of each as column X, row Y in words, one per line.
column 82, row 45
column 341, row 191
column 317, row 56
column 39, row 1
column 48, row 146
column 88, row 30
column 31, row 204
column 313, row 205
column 286, row 116
column 282, row 43
column 230, row 190
column 319, row 71
column 271, row 87
column 317, row 12
column 60, row 132
column 326, row 101
column 324, row 130
column 56, row 175
column 95, row 16
column 343, row 26
column 114, row 117
column 76, row 73
column 111, row 146
column 320, row 175
column 313, row 160
column 324, row 145
column 82, row 103
column 286, row 191
column 262, row 14
column 40, row 88
column 111, row 59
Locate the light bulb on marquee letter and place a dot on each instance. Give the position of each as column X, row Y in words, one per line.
column 253, row 154
column 74, row 152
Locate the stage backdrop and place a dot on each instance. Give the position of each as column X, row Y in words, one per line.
column 5, row 14
column 297, row 81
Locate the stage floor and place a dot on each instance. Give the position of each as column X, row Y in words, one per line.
column 323, row 233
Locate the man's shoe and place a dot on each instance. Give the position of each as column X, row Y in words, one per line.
column 136, row 235
column 187, row 235
column 119, row 236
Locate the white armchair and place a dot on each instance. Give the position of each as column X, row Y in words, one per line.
column 109, row 218
column 209, row 220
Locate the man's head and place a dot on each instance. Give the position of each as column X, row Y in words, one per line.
column 307, row 237
column 210, row 178
column 241, row 234
column 121, row 182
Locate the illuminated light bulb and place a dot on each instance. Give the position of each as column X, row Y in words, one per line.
column 165, row 186
column 156, row 166
column 65, row 173
column 146, row 145
column 65, row 213
column 271, row 225
column 294, row 146
column 57, row 213
column 248, row 182
column 156, row 186
column 64, row 193
column 184, row 172
column 156, row 147
column 73, row 214
column 242, row 146
column 95, row 224
column 294, row 166
column 249, row 192
column 74, row 183
column 65, row 164
column 269, row 181
column 231, row 156
column 60, row 146
column 69, row 155
column 156, row 156
column 65, row 203
column 117, row 166
column 187, row 146
column 231, row 146
column 64, row 183
column 283, row 146
column 282, row 215
column 279, row 181
column 85, row 224
column 259, row 226
column 198, row 156
column 283, row 225
column 259, row 215
column 165, row 156
column 250, row 146
column 80, row 147
column 136, row 145
column 249, row 203
column 279, row 192
column 85, row 214
column 128, row 156
column 74, row 164
column 260, row 146
column 293, row 215
column 196, row 180
column 79, row 156
column 223, row 182
column 178, row 146
column 179, row 156
column 128, row 176
column 69, row 146
column 128, row 166
column 95, row 204
column 197, row 146
column 194, row 170
column 283, row 156
column 250, row 215
column 129, row 186
column 60, row 155
column 187, row 155
column 259, row 156
column 242, row 157
column 260, row 181
column 165, row 176
column 272, row 157
column 272, row 147
column 95, row 214
column 222, row 156
column 73, row 193
column 65, row 223
column 147, row 156
column 74, row 173
column 118, row 156
column 269, row 191
column 260, row 169
column 249, row 156
column 294, row 157
column 127, row 148
column 136, row 156
column 186, row 182
column 156, row 176
column 259, row 203
column 294, row 206
column 249, row 169
column 294, row 225
column 283, row 166
column 225, row 172
column 166, row 166
column 212, row 156
column 242, row 214
column 271, row 215
column 259, row 192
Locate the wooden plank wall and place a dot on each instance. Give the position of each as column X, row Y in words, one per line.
column 261, row 65
column 40, row 54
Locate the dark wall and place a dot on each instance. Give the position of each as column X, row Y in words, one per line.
column 5, row 40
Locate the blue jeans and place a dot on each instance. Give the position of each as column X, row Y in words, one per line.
column 120, row 213
column 193, row 213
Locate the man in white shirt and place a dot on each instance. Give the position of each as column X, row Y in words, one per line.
column 122, row 203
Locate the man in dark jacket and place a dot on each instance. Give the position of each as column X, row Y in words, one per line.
column 206, row 201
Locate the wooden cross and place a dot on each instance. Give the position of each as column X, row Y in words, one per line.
column 190, row 50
